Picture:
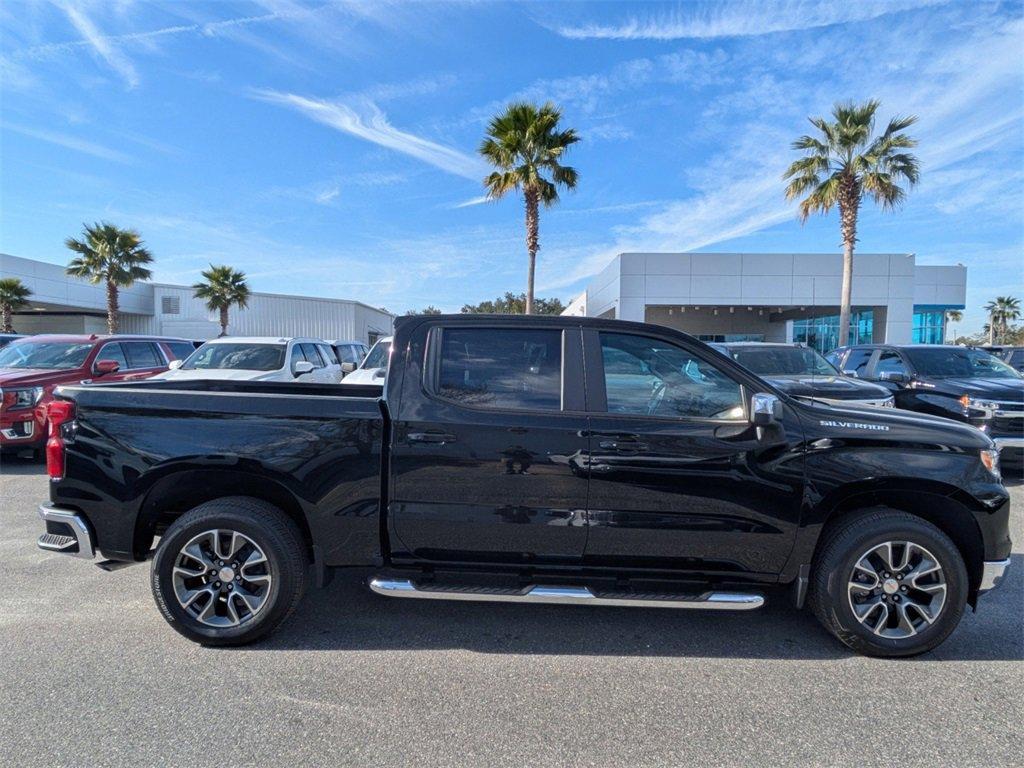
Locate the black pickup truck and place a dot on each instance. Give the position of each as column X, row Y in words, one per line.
column 536, row 460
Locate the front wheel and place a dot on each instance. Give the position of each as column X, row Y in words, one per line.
column 888, row 583
column 229, row 571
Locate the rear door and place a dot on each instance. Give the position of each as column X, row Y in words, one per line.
column 489, row 446
column 145, row 359
column 679, row 477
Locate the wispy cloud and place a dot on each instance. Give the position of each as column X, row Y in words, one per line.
column 68, row 142
column 473, row 201
column 327, row 195
column 743, row 18
column 365, row 120
column 102, row 44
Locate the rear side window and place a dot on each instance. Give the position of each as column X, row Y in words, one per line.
column 857, row 362
column 180, row 349
column 507, row 368
column 142, row 354
column 308, row 352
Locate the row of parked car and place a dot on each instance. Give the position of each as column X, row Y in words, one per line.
column 963, row 383
column 31, row 367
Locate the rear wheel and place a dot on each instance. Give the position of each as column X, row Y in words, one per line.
column 888, row 583
column 229, row 571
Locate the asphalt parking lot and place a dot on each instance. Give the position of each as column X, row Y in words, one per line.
column 91, row 675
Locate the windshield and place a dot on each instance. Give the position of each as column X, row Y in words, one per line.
column 783, row 361
column 243, row 357
column 53, row 355
column 958, row 362
column 378, row 357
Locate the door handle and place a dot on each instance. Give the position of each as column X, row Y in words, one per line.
column 430, row 437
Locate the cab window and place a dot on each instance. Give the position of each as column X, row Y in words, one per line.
column 502, row 368
column 856, row 363
column 651, row 377
column 112, row 352
column 142, row 354
column 889, row 362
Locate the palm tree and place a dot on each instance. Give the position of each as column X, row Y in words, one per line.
column 13, row 296
column 112, row 256
column 224, row 288
column 844, row 164
column 1000, row 312
column 524, row 142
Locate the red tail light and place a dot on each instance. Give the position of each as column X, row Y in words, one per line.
column 58, row 412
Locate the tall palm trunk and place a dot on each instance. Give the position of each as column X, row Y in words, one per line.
column 223, row 321
column 991, row 329
column 849, row 200
column 532, row 240
column 8, row 326
column 113, row 312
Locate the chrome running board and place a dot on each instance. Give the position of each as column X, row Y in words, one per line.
column 541, row 594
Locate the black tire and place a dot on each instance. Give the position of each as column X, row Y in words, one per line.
column 271, row 530
column 830, row 599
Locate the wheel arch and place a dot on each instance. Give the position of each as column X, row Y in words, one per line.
column 941, row 505
column 177, row 492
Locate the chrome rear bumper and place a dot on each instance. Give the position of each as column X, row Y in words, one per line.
column 72, row 537
column 992, row 574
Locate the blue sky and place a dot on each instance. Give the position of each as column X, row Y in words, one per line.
column 330, row 148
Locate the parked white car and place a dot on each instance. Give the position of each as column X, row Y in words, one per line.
column 254, row 358
column 350, row 354
column 374, row 367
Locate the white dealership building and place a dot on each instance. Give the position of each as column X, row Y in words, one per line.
column 777, row 296
column 64, row 304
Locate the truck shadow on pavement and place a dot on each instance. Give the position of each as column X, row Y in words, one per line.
column 347, row 616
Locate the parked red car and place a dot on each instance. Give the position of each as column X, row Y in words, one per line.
column 31, row 367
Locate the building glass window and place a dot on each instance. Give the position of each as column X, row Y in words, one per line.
column 725, row 338
column 929, row 327
column 822, row 333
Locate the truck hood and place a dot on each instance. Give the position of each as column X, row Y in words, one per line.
column 222, row 374
column 895, row 425
column 38, row 377
column 993, row 389
column 833, row 387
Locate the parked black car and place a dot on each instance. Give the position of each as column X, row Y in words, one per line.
column 802, row 372
column 1012, row 356
column 531, row 459
column 962, row 383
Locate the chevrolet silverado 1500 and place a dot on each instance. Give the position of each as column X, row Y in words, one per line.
column 534, row 460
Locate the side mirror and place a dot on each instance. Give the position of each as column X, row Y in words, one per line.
column 302, row 368
column 348, row 367
column 765, row 409
column 103, row 367
column 175, row 364
column 380, row 373
column 893, row 377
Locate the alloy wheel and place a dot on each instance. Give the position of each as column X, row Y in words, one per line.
column 221, row 578
column 897, row 589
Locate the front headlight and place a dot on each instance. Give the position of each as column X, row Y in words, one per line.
column 21, row 398
column 979, row 405
column 990, row 458
column 889, row 402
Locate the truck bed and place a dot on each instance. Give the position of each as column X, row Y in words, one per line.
column 317, row 449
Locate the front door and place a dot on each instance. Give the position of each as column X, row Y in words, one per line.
column 680, row 478
column 489, row 447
